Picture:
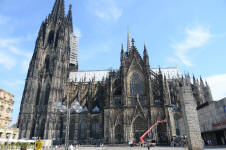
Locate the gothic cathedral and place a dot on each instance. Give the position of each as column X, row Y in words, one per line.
column 117, row 105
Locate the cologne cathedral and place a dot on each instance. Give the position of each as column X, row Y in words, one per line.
column 117, row 105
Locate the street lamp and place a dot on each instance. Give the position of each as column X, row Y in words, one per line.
column 75, row 106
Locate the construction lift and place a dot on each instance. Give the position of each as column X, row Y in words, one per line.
column 154, row 125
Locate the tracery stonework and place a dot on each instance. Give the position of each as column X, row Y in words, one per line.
column 118, row 105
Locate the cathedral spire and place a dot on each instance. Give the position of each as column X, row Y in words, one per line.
column 160, row 71
column 145, row 56
column 128, row 41
column 201, row 82
column 122, row 55
column 133, row 41
column 58, row 10
column 69, row 18
column 194, row 80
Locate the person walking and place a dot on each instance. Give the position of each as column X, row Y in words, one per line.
column 148, row 146
column 38, row 144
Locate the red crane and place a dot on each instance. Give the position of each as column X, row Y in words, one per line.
column 156, row 123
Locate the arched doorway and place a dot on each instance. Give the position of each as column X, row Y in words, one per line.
column 95, row 129
column 42, row 129
column 139, row 127
column 83, row 129
column 119, row 134
column 162, row 134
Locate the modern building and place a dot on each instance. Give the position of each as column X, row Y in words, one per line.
column 212, row 117
column 118, row 105
column 6, row 108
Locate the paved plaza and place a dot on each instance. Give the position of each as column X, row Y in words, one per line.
column 139, row 148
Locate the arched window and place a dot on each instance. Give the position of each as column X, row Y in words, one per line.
column 83, row 129
column 136, row 84
column 47, row 61
column 42, row 129
column 47, row 92
column 95, row 129
column 33, row 129
column 51, row 37
column 38, row 95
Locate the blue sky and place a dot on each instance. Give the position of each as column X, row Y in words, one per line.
column 188, row 34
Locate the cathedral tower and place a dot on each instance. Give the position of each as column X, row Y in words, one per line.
column 48, row 72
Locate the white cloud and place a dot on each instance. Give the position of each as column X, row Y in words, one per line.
column 12, row 46
column 217, row 85
column 195, row 38
column 10, row 52
column 7, row 61
column 105, row 9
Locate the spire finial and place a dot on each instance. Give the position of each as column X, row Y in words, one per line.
column 194, row 80
column 133, row 41
column 122, row 49
column 69, row 18
column 160, row 72
column 128, row 41
column 145, row 49
column 122, row 54
column 201, row 81
column 145, row 56
column 58, row 10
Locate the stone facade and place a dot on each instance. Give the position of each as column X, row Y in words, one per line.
column 212, row 118
column 6, row 105
column 6, row 108
column 9, row 133
column 118, row 105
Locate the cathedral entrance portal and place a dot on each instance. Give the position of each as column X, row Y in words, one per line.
column 139, row 127
column 118, row 134
column 162, row 134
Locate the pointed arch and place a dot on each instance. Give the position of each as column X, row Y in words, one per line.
column 83, row 126
column 47, row 63
column 47, row 93
column 118, row 134
column 136, row 84
column 51, row 37
column 139, row 127
column 95, row 126
column 59, row 35
column 42, row 128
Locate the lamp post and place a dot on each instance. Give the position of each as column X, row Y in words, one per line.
column 7, row 137
column 74, row 106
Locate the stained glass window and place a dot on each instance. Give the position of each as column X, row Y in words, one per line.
column 136, row 84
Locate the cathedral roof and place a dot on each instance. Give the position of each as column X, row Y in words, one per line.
column 99, row 75
column 168, row 72
column 86, row 76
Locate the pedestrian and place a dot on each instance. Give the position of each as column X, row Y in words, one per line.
column 148, row 146
column 38, row 144
column 71, row 147
column 130, row 143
